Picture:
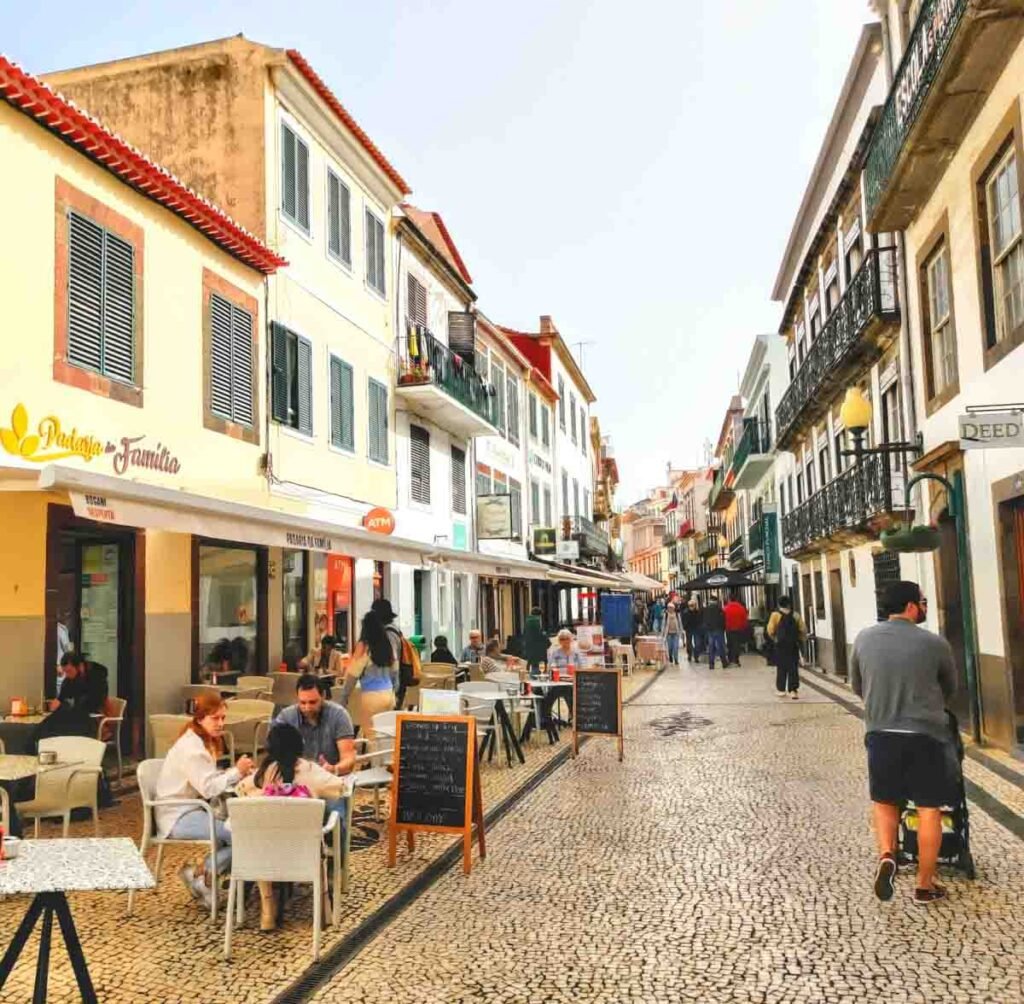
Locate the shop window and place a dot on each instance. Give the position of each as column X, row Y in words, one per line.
column 886, row 565
column 295, row 592
column 227, row 607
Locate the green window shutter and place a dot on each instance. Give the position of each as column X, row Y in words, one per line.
column 305, row 381
column 302, row 183
column 220, row 356
column 378, row 422
column 333, row 215
column 85, row 292
column 288, row 196
column 419, row 464
column 279, row 372
column 342, row 410
column 242, row 390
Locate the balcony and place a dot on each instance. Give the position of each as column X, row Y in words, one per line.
column 707, row 546
column 753, row 457
column 442, row 387
column 738, row 551
column 850, row 510
column 857, row 332
column 686, row 529
column 722, row 493
column 957, row 51
column 594, row 542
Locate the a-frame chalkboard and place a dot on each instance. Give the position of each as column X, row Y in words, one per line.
column 436, row 784
column 597, row 705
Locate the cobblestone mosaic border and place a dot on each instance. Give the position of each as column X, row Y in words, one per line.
column 341, row 954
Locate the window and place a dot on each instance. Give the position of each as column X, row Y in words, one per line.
column 809, row 475
column 565, row 494
column 839, row 441
column 548, row 521
column 586, row 503
column 940, row 337
column 294, row 178
column 416, row 304
column 824, row 466
column 513, row 410
column 343, row 420
column 561, row 403
column 854, row 255
column 575, row 497
column 892, row 431
column 498, row 380
column 831, row 290
column 545, row 425
column 815, row 312
column 515, row 489
column 572, row 416
column 231, row 361
column 533, row 415
column 377, row 434
column 794, row 500
column 375, row 253
column 294, row 601
column 483, row 480
column 458, row 480
column 801, row 343
column 819, row 594
column 101, row 300
column 419, row 464
column 886, row 566
column 339, row 219
column 1005, row 249
column 535, row 513
column 583, row 431
column 228, row 604
column 782, row 498
column 292, row 379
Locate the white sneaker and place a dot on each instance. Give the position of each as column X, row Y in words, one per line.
column 795, row 696
column 196, row 886
column 780, row 693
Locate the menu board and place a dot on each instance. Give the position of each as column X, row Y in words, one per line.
column 436, row 786
column 597, row 705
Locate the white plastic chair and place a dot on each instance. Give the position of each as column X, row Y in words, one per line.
column 283, row 688
column 261, row 828
column 61, row 789
column 147, row 774
column 117, row 721
column 164, row 731
column 482, row 711
column 243, row 733
column 376, row 758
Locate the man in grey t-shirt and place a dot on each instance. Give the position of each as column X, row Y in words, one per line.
column 905, row 675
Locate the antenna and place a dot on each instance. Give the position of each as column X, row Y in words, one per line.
column 579, row 350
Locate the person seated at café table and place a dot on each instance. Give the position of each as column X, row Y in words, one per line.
column 493, row 661
column 442, row 653
column 286, row 772
column 474, row 651
column 326, row 659
column 190, row 771
column 566, row 659
column 328, row 736
column 82, row 694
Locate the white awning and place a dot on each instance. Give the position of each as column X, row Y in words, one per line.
column 643, row 584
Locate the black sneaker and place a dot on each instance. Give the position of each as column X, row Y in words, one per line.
column 922, row 897
column 885, row 877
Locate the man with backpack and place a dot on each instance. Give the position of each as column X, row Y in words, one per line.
column 406, row 656
column 787, row 632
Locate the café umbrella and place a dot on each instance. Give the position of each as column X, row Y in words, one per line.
column 717, row 578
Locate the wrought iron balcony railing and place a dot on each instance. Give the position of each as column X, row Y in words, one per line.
column 738, row 549
column 686, row 529
column 844, row 506
column 871, row 295
column 594, row 542
column 707, row 545
column 422, row 359
column 755, row 439
column 934, row 29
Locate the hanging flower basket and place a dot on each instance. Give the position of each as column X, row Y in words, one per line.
column 911, row 539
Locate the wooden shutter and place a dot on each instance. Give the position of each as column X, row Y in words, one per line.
column 417, row 304
column 301, row 183
column 513, row 409
column 515, row 489
column 279, row 372
column 339, row 220
column 378, row 422
column 374, row 252
column 342, row 405
column 547, row 506
column 561, row 402
column 304, row 358
column 419, row 464
column 533, row 416
column 85, row 292
column 220, row 356
column 458, row 480
column 498, row 380
column 288, row 196
column 118, row 308
column 462, row 335
column 242, row 389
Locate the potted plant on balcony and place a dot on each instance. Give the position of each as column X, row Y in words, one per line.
column 414, row 372
column 908, row 539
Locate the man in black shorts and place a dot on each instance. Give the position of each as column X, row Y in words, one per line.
column 905, row 675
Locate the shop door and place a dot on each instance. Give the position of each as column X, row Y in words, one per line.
column 459, row 639
column 101, row 616
column 838, row 621
column 952, row 619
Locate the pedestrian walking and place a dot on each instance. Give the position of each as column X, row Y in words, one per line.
column 657, row 615
column 737, row 623
column 787, row 632
column 693, row 620
column 535, row 641
column 714, row 632
column 672, row 630
column 905, row 675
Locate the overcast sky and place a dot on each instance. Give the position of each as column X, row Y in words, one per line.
column 632, row 169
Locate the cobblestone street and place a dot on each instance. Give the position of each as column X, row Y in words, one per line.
column 728, row 859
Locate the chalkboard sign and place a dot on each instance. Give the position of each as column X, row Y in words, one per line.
column 436, row 786
column 597, row 704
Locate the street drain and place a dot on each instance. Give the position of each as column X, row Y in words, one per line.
column 679, row 724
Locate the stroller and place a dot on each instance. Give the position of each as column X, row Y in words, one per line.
column 955, row 849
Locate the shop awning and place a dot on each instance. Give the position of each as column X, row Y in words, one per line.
column 577, row 575
column 487, row 564
column 642, row 583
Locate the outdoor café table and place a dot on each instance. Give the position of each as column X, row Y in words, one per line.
column 651, row 648
column 550, row 689
column 498, row 698
column 52, row 868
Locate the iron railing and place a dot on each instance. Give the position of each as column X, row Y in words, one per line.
column 871, row 294
column 755, row 536
column 756, row 439
column 718, row 486
column 707, row 545
column 846, row 503
column 593, row 540
column 934, row 29
column 738, row 549
column 422, row 359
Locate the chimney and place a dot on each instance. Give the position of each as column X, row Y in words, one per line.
column 547, row 326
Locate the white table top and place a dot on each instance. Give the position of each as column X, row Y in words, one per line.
column 15, row 766
column 75, row 865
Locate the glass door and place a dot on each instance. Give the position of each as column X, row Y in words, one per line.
column 99, row 626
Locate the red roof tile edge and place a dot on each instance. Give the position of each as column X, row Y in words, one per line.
column 78, row 129
column 463, row 271
column 318, row 85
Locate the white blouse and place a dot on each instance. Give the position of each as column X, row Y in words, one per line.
column 189, row 771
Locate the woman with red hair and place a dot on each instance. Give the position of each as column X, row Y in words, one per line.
column 190, row 771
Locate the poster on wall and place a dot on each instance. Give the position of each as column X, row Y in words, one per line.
column 590, row 642
column 545, row 541
column 494, row 517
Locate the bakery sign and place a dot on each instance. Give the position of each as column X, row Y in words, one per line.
column 50, row 439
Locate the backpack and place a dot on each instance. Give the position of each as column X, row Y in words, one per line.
column 408, row 663
column 787, row 635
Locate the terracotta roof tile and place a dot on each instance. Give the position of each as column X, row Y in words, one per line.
column 433, row 229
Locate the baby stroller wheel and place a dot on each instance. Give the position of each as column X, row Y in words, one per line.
column 965, row 862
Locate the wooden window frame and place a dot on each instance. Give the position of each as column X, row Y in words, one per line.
column 214, row 283
column 937, row 241
column 67, row 198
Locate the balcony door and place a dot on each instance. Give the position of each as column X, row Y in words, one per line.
column 838, row 621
